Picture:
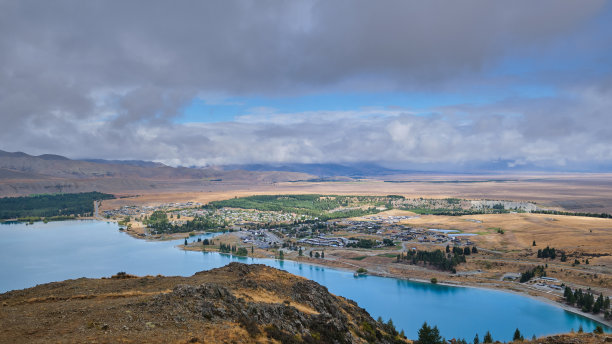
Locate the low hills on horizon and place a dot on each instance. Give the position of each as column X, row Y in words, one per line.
column 23, row 174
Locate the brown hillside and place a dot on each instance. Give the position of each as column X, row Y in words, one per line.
column 235, row 304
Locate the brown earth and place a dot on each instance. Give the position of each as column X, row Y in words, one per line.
column 235, row 304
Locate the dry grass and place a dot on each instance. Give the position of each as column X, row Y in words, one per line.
column 265, row 296
column 569, row 233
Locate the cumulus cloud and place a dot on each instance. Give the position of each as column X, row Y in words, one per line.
column 108, row 78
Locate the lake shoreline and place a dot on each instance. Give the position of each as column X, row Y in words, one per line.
column 340, row 264
column 336, row 264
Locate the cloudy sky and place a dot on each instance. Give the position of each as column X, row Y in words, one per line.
column 445, row 84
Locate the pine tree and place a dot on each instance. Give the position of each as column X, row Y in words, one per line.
column 517, row 335
column 487, row 338
column 428, row 335
column 533, row 243
column 476, row 339
column 185, row 241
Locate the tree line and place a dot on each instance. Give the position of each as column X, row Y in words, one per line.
column 569, row 213
column 587, row 302
column 50, row 205
column 239, row 251
column 438, row 259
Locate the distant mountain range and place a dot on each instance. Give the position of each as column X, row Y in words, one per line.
column 21, row 173
column 140, row 163
column 357, row 170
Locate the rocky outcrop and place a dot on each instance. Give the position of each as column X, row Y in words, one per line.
column 237, row 303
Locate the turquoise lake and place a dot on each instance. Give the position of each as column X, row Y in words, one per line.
column 41, row 253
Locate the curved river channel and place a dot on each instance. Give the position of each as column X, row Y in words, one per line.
column 41, row 253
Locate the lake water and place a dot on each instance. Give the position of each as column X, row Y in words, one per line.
column 40, row 253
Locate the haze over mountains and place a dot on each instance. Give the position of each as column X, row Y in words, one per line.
column 21, row 173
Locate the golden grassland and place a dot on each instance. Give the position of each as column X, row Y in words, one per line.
column 580, row 238
column 575, row 192
column 572, row 234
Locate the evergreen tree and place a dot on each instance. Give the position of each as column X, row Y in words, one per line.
column 322, row 254
column 476, row 339
column 487, row 338
column 533, row 243
column 300, row 253
column 428, row 335
column 185, row 241
column 310, row 254
column 517, row 335
column 447, row 248
column 474, row 249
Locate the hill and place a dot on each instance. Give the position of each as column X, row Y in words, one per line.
column 236, row 303
column 23, row 174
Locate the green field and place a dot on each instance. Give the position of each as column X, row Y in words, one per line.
column 324, row 207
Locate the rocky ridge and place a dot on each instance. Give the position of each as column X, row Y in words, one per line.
column 237, row 303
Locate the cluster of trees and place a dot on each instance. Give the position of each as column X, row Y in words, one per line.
column 317, row 254
column 431, row 335
column 465, row 251
column 159, row 222
column 50, row 205
column 568, row 213
column 437, row 258
column 586, row 301
column 539, row 271
column 239, row 251
column 548, row 252
column 224, row 248
column 452, row 211
column 362, row 243
column 319, row 206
